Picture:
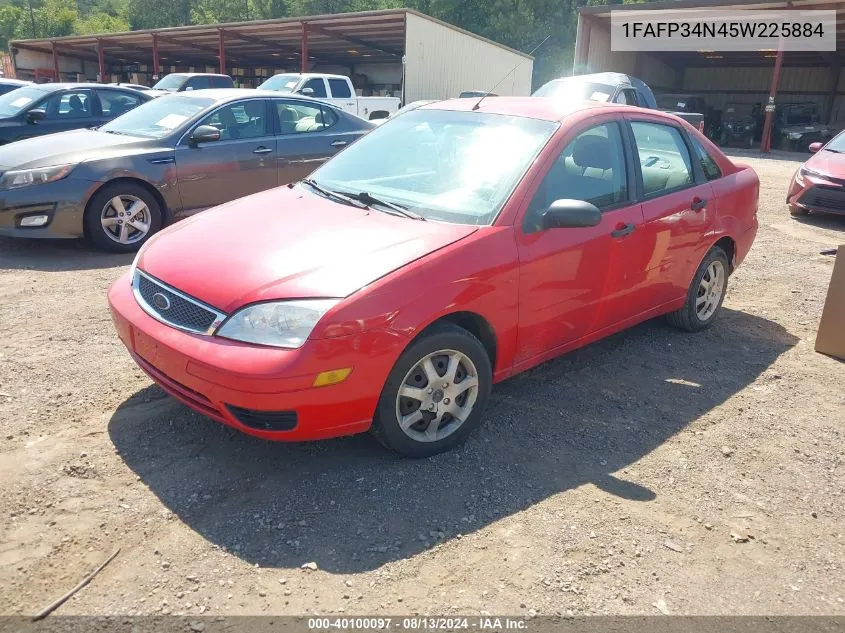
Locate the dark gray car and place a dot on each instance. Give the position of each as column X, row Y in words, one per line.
column 170, row 157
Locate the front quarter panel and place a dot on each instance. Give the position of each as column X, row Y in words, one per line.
column 478, row 275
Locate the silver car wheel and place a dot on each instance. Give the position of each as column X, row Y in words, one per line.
column 710, row 290
column 126, row 219
column 437, row 396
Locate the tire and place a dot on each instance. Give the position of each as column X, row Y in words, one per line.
column 751, row 142
column 441, row 344
column 695, row 316
column 797, row 212
column 723, row 139
column 102, row 208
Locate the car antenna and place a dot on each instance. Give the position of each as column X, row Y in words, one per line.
column 484, row 96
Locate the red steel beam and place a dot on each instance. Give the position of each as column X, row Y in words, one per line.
column 55, row 60
column 222, row 53
column 304, row 53
column 155, row 58
column 101, row 61
column 766, row 141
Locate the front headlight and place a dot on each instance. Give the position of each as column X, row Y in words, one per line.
column 38, row 176
column 134, row 265
column 748, row 128
column 277, row 323
column 794, row 136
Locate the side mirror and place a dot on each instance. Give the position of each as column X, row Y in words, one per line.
column 205, row 134
column 306, row 91
column 567, row 213
column 814, row 147
column 33, row 116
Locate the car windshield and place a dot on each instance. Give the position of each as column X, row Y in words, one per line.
column 574, row 89
column 456, row 167
column 801, row 114
column 159, row 117
column 738, row 111
column 171, row 83
column 678, row 103
column 281, row 83
column 836, row 144
column 15, row 102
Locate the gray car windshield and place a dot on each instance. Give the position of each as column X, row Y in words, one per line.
column 456, row 167
column 281, row 83
column 15, row 102
column 158, row 118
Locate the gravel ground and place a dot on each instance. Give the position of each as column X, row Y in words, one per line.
column 653, row 472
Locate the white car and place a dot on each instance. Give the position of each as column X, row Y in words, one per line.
column 336, row 90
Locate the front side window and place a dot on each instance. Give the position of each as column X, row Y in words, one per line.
column 708, row 165
column 590, row 168
column 198, row 83
column 300, row 118
column 664, row 158
column 74, row 104
column 114, row 103
column 242, row 120
column 158, row 118
column 318, row 86
column 458, row 167
column 340, row 88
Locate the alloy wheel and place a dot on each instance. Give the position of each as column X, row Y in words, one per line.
column 710, row 290
column 126, row 219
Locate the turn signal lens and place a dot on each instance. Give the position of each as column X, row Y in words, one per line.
column 332, row 377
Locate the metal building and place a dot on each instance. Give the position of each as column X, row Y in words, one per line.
column 719, row 77
column 395, row 52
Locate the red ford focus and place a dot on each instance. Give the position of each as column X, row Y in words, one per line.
column 447, row 250
column 819, row 184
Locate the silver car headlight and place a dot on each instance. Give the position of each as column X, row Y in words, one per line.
column 794, row 135
column 38, row 176
column 276, row 323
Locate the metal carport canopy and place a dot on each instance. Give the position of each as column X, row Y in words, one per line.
column 343, row 39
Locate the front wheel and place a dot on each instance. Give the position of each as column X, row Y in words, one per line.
column 436, row 393
column 121, row 216
column 706, row 293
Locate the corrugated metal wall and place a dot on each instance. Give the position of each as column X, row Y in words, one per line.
column 441, row 62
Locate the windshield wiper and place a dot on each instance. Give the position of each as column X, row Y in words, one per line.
column 333, row 194
column 835, row 151
column 367, row 198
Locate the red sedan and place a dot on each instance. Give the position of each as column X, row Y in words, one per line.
column 819, row 184
column 448, row 250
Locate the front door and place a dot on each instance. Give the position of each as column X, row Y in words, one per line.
column 308, row 137
column 576, row 281
column 242, row 162
column 678, row 207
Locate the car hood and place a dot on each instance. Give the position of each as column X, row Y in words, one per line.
column 63, row 148
column 288, row 243
column 804, row 129
column 828, row 164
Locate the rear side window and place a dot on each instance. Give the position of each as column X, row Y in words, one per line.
column 340, row 89
column 114, row 103
column 708, row 165
column 664, row 159
column 317, row 85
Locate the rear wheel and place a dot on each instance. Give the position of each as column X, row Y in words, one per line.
column 435, row 394
column 706, row 293
column 797, row 212
column 121, row 217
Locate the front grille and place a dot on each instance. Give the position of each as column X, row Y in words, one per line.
column 264, row 420
column 821, row 198
column 173, row 307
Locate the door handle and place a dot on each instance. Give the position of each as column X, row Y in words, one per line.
column 262, row 150
column 622, row 231
column 698, row 204
column 339, row 143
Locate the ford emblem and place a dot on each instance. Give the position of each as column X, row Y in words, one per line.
column 161, row 302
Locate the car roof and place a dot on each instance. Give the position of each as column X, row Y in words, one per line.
column 54, row 86
column 221, row 95
column 197, row 75
column 545, row 108
column 14, row 82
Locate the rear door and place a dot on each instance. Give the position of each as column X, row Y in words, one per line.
column 242, row 162
column 678, row 206
column 341, row 95
column 309, row 133
column 113, row 103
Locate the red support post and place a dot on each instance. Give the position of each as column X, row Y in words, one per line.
column 222, row 54
column 101, row 59
column 304, row 53
column 766, row 141
column 155, row 58
column 55, row 61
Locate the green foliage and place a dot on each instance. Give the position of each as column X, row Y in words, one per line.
column 520, row 24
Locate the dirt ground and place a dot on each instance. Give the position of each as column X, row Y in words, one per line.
column 653, row 472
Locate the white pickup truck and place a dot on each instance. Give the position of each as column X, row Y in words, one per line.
column 334, row 89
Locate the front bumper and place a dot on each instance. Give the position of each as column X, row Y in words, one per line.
column 218, row 377
column 62, row 201
column 817, row 195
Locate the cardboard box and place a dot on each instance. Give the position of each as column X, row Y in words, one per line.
column 830, row 339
